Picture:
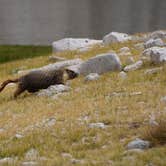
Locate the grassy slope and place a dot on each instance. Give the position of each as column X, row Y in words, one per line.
column 93, row 100
column 10, row 53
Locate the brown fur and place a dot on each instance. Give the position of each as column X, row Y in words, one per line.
column 36, row 80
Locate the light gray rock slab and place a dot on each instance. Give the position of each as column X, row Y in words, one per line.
column 114, row 37
column 123, row 75
column 138, row 144
column 100, row 64
column 134, row 66
column 73, row 44
column 124, row 49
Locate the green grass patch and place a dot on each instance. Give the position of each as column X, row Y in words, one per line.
column 10, row 53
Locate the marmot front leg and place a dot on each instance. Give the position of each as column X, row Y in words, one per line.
column 18, row 91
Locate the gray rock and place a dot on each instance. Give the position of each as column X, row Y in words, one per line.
column 155, row 54
column 138, row 144
column 31, row 155
column 154, row 42
column 123, row 75
column 114, row 37
column 76, row 161
column 97, row 125
column 130, row 60
column 124, row 54
column 52, row 90
column 157, row 34
column 73, row 44
column 54, row 58
column 29, row 163
column 99, row 64
column 92, row 77
column 153, row 70
column 134, row 66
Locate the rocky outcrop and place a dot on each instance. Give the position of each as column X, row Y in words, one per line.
column 154, row 42
column 155, row 54
column 71, row 44
column 92, row 77
column 114, row 37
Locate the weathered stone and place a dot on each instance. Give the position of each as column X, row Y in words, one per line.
column 73, row 44
column 138, row 144
column 124, row 54
column 153, row 70
column 155, row 54
column 163, row 99
column 32, row 155
column 114, row 37
column 66, row 155
column 123, row 75
column 92, row 77
column 54, row 58
column 18, row 136
column 99, row 64
column 54, row 89
column 134, row 66
column 154, row 42
column 124, row 49
column 30, row 163
column 158, row 34
column 97, row 125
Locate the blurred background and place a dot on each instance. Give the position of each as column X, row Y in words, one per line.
column 39, row 22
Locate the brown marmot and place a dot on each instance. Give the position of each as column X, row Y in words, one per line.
column 36, row 80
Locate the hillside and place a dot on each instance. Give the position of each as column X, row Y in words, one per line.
column 92, row 123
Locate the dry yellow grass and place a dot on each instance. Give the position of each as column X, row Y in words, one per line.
column 126, row 116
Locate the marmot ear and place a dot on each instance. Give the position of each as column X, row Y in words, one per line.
column 71, row 74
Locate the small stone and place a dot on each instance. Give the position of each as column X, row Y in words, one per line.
column 97, row 125
column 76, row 161
column 153, row 71
column 50, row 122
column 138, row 144
column 135, row 93
column 19, row 136
column 134, row 66
column 163, row 99
column 29, row 163
column 31, row 155
column 92, row 77
column 123, row 75
column 56, row 58
column 130, row 60
column 66, row 155
column 124, row 49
